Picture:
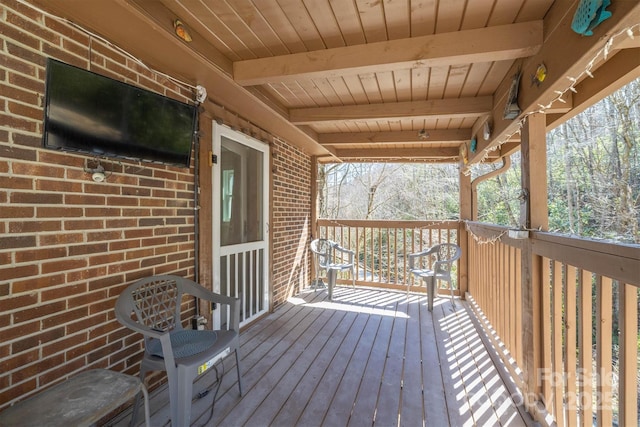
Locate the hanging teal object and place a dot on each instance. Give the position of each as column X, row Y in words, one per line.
column 589, row 15
column 474, row 145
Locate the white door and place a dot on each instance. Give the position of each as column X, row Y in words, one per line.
column 240, row 220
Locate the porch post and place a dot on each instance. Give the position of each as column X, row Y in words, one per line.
column 313, row 218
column 533, row 215
column 463, row 236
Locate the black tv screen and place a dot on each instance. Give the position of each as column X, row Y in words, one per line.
column 93, row 114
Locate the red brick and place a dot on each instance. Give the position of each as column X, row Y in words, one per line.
column 36, row 368
column 65, row 317
column 85, row 274
column 64, row 291
column 108, row 258
column 40, row 254
column 62, row 265
column 84, row 224
column 36, row 198
column 103, row 212
column 63, row 345
column 7, row 273
column 36, row 340
column 87, row 324
column 41, row 310
column 20, row 330
column 33, row 169
column 84, row 199
column 38, row 282
column 61, row 238
column 34, row 226
column 65, row 186
column 11, row 363
column 103, row 235
column 16, row 212
column 58, row 212
column 7, row 394
column 18, row 123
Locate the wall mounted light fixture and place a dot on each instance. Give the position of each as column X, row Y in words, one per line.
column 181, row 31
column 98, row 174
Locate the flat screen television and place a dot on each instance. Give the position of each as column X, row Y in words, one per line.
column 89, row 113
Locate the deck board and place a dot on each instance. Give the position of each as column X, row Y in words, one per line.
column 367, row 358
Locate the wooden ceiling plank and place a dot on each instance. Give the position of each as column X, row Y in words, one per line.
column 449, row 16
column 203, row 19
column 533, row 9
column 455, row 80
column 460, row 107
column 346, row 16
column 476, row 14
column 342, row 91
column 410, row 136
column 299, row 18
column 505, row 12
column 259, row 27
column 279, row 22
column 325, row 22
column 372, row 19
column 397, row 14
column 369, row 83
column 402, row 84
column 464, row 47
column 437, row 82
column 419, row 83
column 356, row 90
column 477, row 75
column 387, row 86
column 423, row 17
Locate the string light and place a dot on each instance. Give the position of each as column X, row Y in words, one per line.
column 484, row 240
column 604, row 51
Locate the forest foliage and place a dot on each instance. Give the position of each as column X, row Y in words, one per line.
column 593, row 180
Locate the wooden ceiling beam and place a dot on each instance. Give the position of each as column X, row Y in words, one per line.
column 399, row 137
column 498, row 43
column 426, row 153
column 438, row 108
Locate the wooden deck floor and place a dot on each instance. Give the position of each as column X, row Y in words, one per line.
column 369, row 358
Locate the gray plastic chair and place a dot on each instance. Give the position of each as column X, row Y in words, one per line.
column 331, row 257
column 430, row 271
column 156, row 301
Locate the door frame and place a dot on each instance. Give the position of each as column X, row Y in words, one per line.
column 219, row 131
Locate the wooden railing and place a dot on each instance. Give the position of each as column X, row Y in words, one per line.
column 382, row 247
column 582, row 317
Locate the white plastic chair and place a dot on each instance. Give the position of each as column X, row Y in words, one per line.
column 430, row 271
column 156, row 302
column 331, row 257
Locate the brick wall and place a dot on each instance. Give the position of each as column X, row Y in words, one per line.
column 69, row 246
column 291, row 228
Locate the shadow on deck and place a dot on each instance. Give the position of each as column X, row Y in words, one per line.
column 369, row 357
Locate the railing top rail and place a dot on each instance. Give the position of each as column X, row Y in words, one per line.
column 619, row 261
column 445, row 224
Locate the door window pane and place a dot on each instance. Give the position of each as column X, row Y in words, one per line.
column 241, row 196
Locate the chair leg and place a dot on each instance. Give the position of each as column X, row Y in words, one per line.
column 238, row 371
column 453, row 303
column 331, row 278
column 136, row 403
column 431, row 287
column 181, row 408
